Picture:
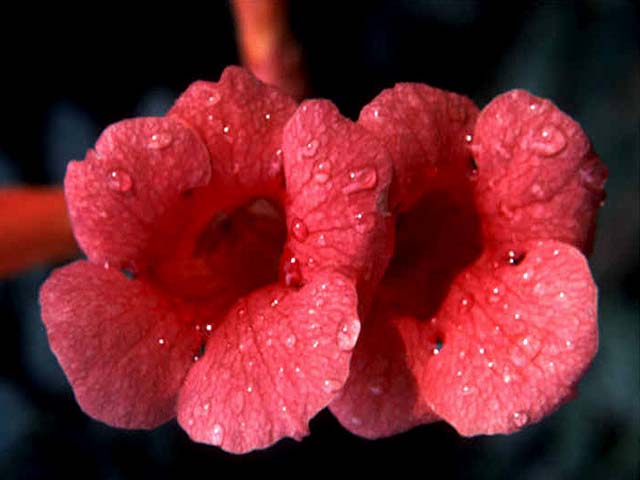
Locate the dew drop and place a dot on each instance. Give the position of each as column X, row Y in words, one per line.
column 377, row 388
column 299, row 230
column 267, row 116
column 515, row 258
column 290, row 341
column 161, row 341
column 537, row 191
column 159, row 141
column 549, row 141
column 226, row 130
column 468, row 138
column 376, row 113
column 119, row 180
column 494, row 295
column 330, row 385
column 364, row 222
column 217, row 434
column 360, row 180
column 472, row 174
column 348, row 334
column 213, row 98
column 520, row 419
column 274, row 302
column 310, row 149
column 465, row 304
column 322, row 240
column 322, row 172
column 291, row 272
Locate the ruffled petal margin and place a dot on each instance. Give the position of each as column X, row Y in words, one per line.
column 122, row 345
column 512, row 339
column 278, row 358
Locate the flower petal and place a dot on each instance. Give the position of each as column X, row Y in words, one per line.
column 278, row 358
column 515, row 339
column 427, row 132
column 380, row 395
column 124, row 347
column 338, row 177
column 119, row 197
column 240, row 119
column 538, row 176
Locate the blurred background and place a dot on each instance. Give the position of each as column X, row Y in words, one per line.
column 66, row 75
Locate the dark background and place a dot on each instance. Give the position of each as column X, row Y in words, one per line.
column 66, row 75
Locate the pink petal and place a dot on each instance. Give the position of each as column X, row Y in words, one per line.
column 124, row 347
column 277, row 359
column 516, row 337
column 240, row 119
column 427, row 132
column 337, row 178
column 379, row 398
column 121, row 196
column 435, row 241
column 538, row 176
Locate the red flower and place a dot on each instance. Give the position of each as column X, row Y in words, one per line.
column 210, row 291
column 486, row 317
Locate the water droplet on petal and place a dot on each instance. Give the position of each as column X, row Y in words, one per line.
column 520, row 419
column 226, row 130
column 119, row 180
column 465, row 304
column 213, row 98
column 160, row 141
column 330, row 385
column 161, row 341
column 377, row 388
column 468, row 138
column 359, row 180
column 348, row 334
column 217, row 434
column 310, row 149
column 364, row 222
column 290, row 340
column 322, row 172
column 549, row 141
column 515, row 258
column 537, row 191
column 291, row 272
column 299, row 230
column 494, row 295
column 267, row 116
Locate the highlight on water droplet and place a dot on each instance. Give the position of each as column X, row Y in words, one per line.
column 330, row 385
column 159, row 141
column 359, row 180
column 364, row 222
column 514, row 257
column 310, row 149
column 217, row 434
column 348, row 333
column 299, row 229
column 322, row 172
column 290, row 341
column 119, row 180
column 520, row 419
column 291, row 272
column 549, row 141
column 465, row 304
column 213, row 98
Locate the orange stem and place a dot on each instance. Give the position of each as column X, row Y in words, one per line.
column 34, row 228
column 267, row 46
